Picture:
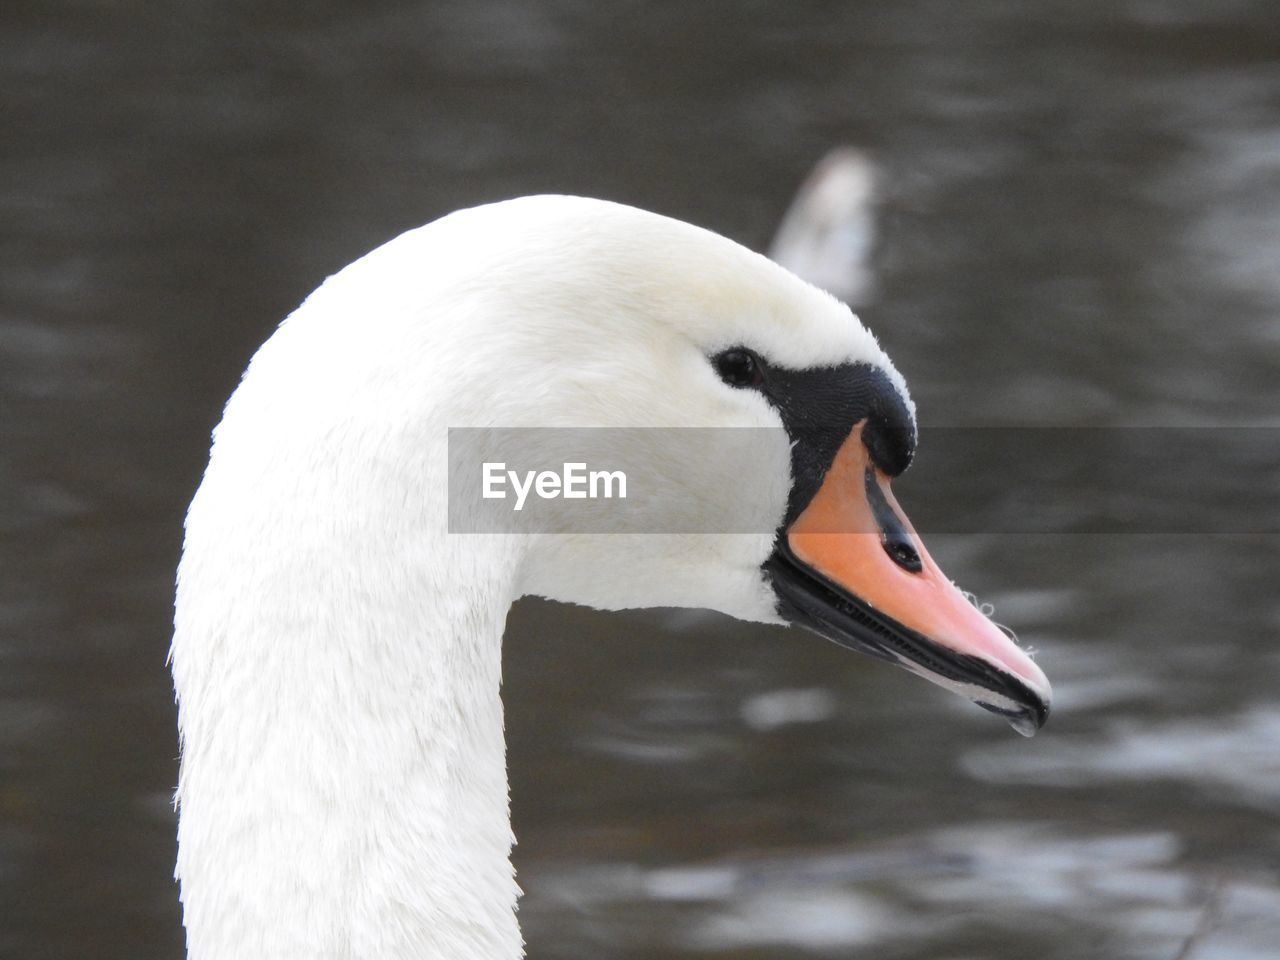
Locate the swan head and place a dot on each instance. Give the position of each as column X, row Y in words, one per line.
column 337, row 647
column 559, row 313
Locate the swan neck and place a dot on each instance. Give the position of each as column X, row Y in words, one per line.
column 343, row 791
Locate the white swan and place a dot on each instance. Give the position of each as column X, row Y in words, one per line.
column 337, row 653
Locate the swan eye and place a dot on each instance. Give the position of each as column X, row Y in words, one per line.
column 739, row 368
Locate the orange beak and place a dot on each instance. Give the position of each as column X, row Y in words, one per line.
column 852, row 568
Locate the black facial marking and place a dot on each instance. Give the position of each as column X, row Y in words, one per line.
column 819, row 408
column 890, row 434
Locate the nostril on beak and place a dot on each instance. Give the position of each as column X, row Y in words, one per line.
column 894, row 537
column 901, row 552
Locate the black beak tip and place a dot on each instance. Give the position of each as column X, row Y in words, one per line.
column 1027, row 719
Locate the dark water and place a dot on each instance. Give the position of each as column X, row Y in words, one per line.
column 1081, row 227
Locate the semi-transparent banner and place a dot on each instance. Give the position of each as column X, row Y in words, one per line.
column 1154, row 480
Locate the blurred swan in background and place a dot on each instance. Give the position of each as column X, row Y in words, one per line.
column 827, row 235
